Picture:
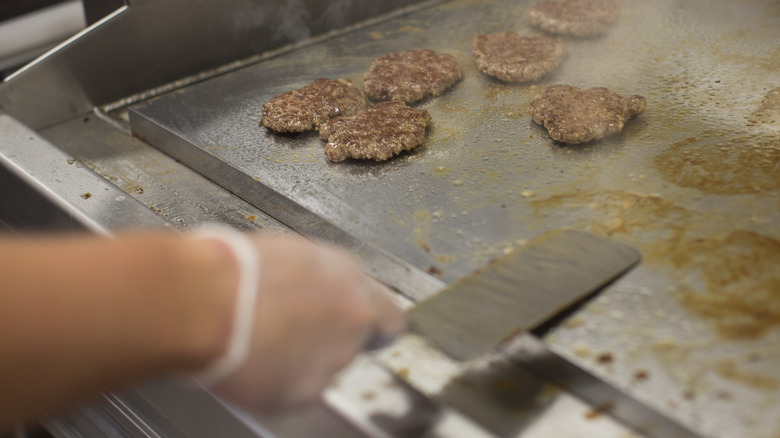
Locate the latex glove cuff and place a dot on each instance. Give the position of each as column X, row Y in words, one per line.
column 243, row 318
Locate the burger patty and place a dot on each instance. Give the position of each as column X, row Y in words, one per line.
column 512, row 58
column 307, row 108
column 376, row 133
column 575, row 17
column 572, row 115
column 411, row 76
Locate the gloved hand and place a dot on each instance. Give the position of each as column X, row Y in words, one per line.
column 314, row 310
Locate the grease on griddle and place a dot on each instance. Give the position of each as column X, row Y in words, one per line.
column 741, row 293
column 768, row 111
column 599, row 410
column 730, row 280
column 723, row 164
column 605, row 358
column 730, row 369
column 433, row 270
column 635, row 212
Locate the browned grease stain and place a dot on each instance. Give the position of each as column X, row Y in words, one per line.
column 733, row 369
column 441, row 133
column 433, row 270
column 454, row 106
column 599, row 410
column 768, row 110
column 723, row 164
column 769, row 61
column 622, row 212
column 446, row 258
column 733, row 280
column 508, row 100
column 729, row 369
column 771, row 101
column 741, row 281
column 492, row 91
column 422, row 229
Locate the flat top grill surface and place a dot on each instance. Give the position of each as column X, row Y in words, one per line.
column 693, row 182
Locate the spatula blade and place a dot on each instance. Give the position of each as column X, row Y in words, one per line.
column 519, row 292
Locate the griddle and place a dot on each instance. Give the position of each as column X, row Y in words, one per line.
column 691, row 182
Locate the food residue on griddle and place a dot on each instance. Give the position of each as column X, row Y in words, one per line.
column 433, row 270
column 724, row 164
column 411, row 76
column 732, row 370
column 731, row 280
column 512, row 58
column 599, row 410
column 769, row 109
column 604, row 358
column 741, row 294
column 573, row 116
column 308, row 107
column 575, row 17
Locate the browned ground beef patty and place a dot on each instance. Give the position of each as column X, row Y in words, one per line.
column 307, row 108
column 411, row 76
column 572, row 115
column 512, row 58
column 375, row 133
column 575, row 17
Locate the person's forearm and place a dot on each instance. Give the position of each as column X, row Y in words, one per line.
column 82, row 315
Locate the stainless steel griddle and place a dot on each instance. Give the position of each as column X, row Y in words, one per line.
column 694, row 183
column 674, row 183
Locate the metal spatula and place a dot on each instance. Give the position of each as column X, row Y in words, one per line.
column 519, row 292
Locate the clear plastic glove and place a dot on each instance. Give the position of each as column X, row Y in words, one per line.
column 314, row 311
